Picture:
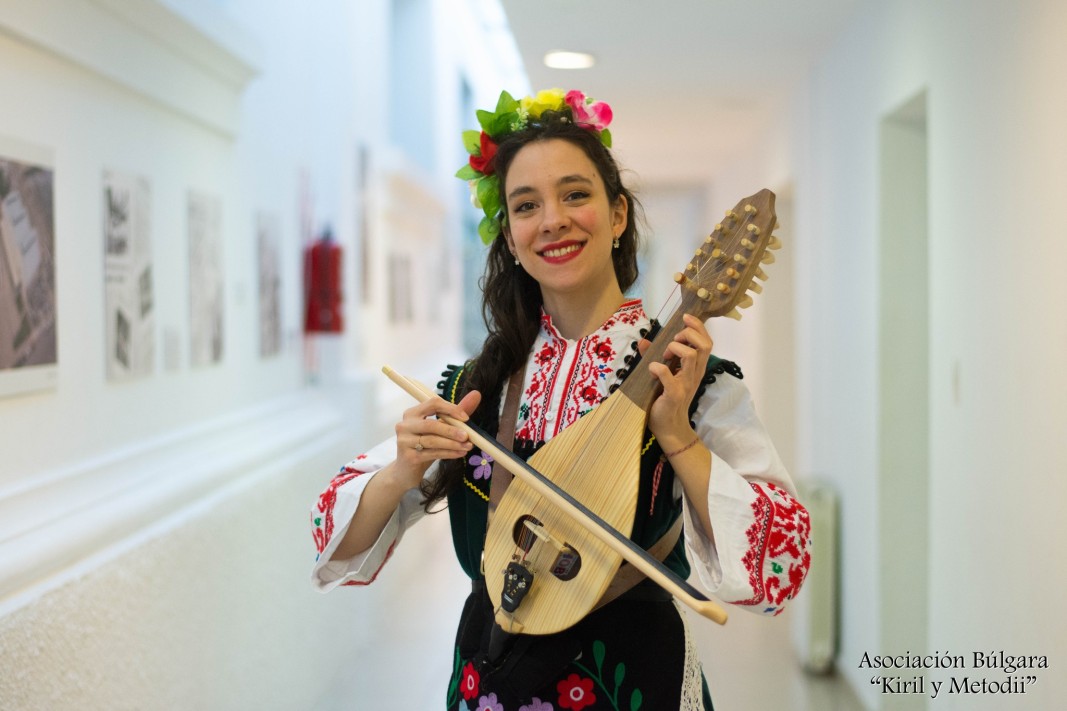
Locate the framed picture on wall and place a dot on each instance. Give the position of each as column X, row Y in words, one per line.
column 128, row 298
column 270, row 283
column 206, row 283
column 28, row 346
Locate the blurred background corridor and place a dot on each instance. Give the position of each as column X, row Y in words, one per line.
column 171, row 171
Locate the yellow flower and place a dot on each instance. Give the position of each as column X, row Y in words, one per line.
column 546, row 100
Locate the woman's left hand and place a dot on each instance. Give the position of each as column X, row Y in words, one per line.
column 687, row 359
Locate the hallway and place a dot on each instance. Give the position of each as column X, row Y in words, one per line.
column 166, row 167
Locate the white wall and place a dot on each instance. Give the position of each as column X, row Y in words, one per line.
column 154, row 544
column 994, row 79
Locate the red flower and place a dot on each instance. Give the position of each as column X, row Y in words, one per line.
column 484, row 163
column 590, row 394
column 546, row 355
column 575, row 693
column 469, row 684
column 604, row 351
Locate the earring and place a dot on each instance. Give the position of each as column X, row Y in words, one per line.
column 615, row 244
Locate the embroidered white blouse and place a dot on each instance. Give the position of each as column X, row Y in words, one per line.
column 760, row 550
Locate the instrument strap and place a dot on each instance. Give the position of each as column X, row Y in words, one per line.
column 501, row 477
column 627, row 576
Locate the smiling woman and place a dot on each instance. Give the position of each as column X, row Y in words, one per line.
column 561, row 230
column 562, row 337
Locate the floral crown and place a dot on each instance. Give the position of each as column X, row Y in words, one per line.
column 510, row 117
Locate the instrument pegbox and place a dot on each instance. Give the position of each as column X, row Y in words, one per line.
column 701, row 292
column 730, row 258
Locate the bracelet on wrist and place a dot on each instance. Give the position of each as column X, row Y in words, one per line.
column 668, row 455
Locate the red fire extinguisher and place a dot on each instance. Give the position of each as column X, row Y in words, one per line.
column 322, row 286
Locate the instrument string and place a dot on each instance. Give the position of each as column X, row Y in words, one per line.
column 705, row 262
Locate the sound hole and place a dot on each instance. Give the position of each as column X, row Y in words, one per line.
column 523, row 537
column 567, row 564
column 568, row 560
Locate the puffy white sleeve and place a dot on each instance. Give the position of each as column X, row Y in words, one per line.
column 332, row 514
column 759, row 552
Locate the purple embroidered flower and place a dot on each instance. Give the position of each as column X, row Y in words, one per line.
column 489, row 703
column 537, row 704
column 483, row 465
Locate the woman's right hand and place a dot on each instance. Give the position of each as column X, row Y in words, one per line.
column 422, row 437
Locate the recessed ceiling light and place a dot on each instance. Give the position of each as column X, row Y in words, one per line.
column 569, row 60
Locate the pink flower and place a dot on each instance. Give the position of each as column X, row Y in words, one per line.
column 594, row 114
column 537, row 704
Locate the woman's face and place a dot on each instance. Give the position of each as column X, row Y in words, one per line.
column 561, row 224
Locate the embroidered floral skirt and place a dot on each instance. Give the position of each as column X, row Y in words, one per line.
column 631, row 655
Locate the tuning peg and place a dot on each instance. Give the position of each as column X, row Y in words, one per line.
column 760, row 274
column 774, row 242
column 754, row 230
column 718, row 227
column 722, row 287
column 690, row 267
column 679, row 278
column 747, row 244
column 709, row 239
column 735, row 315
column 745, row 302
column 731, row 215
column 733, row 273
column 704, row 294
column 750, row 210
column 740, row 260
column 755, row 286
column 767, row 258
column 716, row 253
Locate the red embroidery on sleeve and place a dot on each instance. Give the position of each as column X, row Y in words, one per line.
column 778, row 557
column 322, row 519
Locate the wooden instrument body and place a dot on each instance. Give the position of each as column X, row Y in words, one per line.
column 578, row 465
column 597, row 460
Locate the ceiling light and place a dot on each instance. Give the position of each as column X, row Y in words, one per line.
column 569, row 60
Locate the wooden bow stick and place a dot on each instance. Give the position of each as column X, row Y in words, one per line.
column 622, row 545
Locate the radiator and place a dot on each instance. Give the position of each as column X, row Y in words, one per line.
column 814, row 612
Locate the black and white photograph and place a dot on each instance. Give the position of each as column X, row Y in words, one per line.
column 270, row 284
column 131, row 330
column 206, row 283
